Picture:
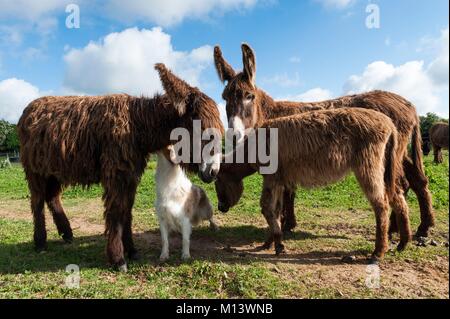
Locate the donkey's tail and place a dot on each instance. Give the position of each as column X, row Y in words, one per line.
column 391, row 165
column 416, row 148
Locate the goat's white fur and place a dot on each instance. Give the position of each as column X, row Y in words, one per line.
column 179, row 204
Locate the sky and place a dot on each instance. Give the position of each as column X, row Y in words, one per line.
column 305, row 50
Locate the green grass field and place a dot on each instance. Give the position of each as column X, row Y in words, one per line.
column 333, row 222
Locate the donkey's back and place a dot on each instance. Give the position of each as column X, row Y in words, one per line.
column 321, row 147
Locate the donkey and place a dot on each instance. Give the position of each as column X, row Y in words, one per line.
column 318, row 148
column 106, row 139
column 438, row 138
column 248, row 107
column 179, row 204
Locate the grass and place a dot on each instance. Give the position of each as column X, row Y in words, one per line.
column 333, row 222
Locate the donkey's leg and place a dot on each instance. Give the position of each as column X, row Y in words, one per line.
column 372, row 183
column 400, row 207
column 118, row 204
column 40, row 232
column 36, row 185
column 271, row 206
column 53, row 199
column 419, row 184
column 288, row 215
column 127, row 235
column 437, row 151
column 393, row 227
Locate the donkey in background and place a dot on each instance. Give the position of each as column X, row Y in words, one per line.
column 318, row 148
column 248, row 106
column 105, row 139
column 438, row 139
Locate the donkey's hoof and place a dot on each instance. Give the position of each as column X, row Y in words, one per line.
column 288, row 233
column 134, row 255
column 401, row 246
column 185, row 257
column 40, row 247
column 163, row 257
column 374, row 260
column 264, row 246
column 279, row 249
column 422, row 231
column 122, row 268
column 68, row 239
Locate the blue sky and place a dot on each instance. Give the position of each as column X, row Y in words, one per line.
column 306, row 50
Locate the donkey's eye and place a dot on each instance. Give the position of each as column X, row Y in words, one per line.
column 249, row 96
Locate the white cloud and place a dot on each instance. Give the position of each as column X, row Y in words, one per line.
column 30, row 9
column 14, row 97
column 312, row 95
column 424, row 85
column 283, row 80
column 171, row 12
column 124, row 62
column 438, row 68
column 409, row 80
column 337, row 4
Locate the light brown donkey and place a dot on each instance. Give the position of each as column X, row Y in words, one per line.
column 319, row 148
column 248, row 107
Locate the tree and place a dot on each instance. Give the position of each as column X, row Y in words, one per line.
column 12, row 139
column 9, row 140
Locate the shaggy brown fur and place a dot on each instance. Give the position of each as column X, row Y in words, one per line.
column 438, row 138
column 328, row 145
column 103, row 139
column 254, row 107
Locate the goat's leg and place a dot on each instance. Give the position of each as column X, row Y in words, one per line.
column 164, row 240
column 186, row 229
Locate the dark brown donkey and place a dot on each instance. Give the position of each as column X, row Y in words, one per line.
column 248, row 107
column 438, row 139
column 105, row 139
column 319, row 148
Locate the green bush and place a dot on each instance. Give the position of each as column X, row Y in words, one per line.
column 9, row 139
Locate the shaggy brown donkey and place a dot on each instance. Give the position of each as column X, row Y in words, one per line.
column 105, row 139
column 321, row 147
column 248, row 106
column 438, row 138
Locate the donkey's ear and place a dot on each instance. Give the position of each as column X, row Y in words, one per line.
column 224, row 70
column 249, row 60
column 177, row 90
